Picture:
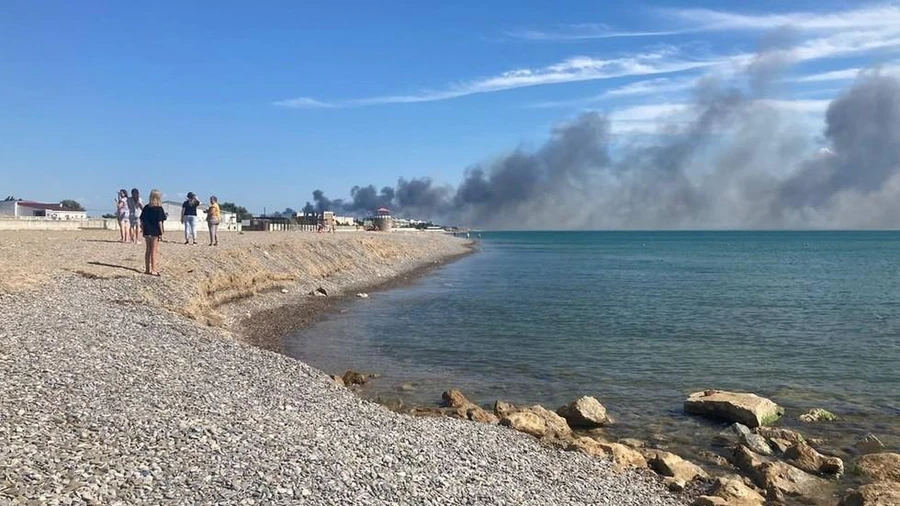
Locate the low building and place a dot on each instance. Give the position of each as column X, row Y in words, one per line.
column 30, row 209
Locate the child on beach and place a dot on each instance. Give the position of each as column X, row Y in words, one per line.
column 135, row 205
column 212, row 220
column 152, row 219
column 122, row 214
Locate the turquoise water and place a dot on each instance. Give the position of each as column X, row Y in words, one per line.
column 639, row 320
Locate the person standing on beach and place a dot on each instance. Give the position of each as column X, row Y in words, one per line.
column 135, row 205
column 152, row 219
column 213, row 215
column 122, row 214
column 189, row 218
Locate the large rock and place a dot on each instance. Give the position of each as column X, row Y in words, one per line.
column 669, row 464
column 355, row 378
column 480, row 415
column 738, row 433
column 745, row 460
column 624, row 456
column 455, row 399
column 803, row 456
column 874, row 494
column 882, row 466
column 502, row 409
column 539, row 422
column 588, row 446
column 868, row 444
column 748, row 409
column 789, row 435
column 584, row 412
column 781, row 480
column 734, row 492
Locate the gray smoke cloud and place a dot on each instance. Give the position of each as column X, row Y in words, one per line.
column 736, row 163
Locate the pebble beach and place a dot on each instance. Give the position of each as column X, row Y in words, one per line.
column 121, row 388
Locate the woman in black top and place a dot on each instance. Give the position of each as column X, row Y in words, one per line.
column 152, row 218
column 189, row 218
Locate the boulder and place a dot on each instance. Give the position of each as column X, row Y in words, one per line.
column 803, row 456
column 780, row 445
column 868, row 444
column 502, row 409
column 781, row 480
column 713, row 458
column 669, row 464
column 455, row 399
column 587, row 446
column 480, row 415
column 633, row 442
column 710, row 500
column 735, row 493
column 738, row 433
column 428, row 412
column 339, row 381
column 584, row 412
column 624, row 456
column 746, row 408
column 745, row 460
column 874, row 494
column 882, row 466
column 818, row 415
column 537, row 421
column 355, row 378
column 789, row 435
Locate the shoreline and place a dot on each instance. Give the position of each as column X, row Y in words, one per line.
column 117, row 378
column 113, row 395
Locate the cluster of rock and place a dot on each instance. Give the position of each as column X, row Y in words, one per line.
column 775, row 464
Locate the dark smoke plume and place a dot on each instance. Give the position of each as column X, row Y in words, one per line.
column 737, row 163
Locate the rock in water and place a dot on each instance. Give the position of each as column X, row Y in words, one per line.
column 355, row 378
column 669, row 464
column 869, row 444
column 883, row 466
column 338, row 380
column 782, row 480
column 746, row 408
column 806, row 458
column 873, row 494
column 733, row 492
column 789, row 435
column 584, row 412
column 738, row 433
column 818, row 415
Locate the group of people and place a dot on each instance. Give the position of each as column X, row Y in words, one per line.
column 136, row 220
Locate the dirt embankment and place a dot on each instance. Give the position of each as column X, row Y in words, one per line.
column 262, row 271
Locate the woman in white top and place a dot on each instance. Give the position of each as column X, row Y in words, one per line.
column 135, row 205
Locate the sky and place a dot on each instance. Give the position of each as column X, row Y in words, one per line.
column 260, row 103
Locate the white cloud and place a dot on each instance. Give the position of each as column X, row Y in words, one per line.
column 883, row 15
column 575, row 69
column 584, row 31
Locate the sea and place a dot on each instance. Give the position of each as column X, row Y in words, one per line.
column 640, row 320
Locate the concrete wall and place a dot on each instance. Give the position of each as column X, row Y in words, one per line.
column 39, row 224
column 8, row 208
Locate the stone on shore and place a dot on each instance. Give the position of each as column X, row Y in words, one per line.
column 746, row 408
column 884, row 466
column 869, row 444
column 738, row 433
column 462, row 407
column 455, row 399
column 338, row 380
column 818, row 415
column 782, row 480
column 873, row 494
column 588, row 446
column 481, row 415
column 502, row 409
column 624, row 456
column 584, row 412
column 745, row 460
column 539, row 422
column 731, row 491
column 789, row 435
column 803, row 456
column 669, row 464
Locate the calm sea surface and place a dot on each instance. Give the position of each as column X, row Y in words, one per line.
column 639, row 320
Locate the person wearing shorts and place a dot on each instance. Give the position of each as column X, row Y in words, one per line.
column 152, row 219
column 135, row 205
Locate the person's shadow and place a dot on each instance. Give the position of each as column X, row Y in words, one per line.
column 101, row 240
column 101, row 264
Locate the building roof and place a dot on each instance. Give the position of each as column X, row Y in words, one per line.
column 384, row 210
column 48, row 207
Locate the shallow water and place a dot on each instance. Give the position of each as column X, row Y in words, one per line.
column 639, row 320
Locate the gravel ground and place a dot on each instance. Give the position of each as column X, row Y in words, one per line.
column 108, row 401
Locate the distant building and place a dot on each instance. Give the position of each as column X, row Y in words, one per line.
column 383, row 221
column 29, row 209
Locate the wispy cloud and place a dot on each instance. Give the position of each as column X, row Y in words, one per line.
column 584, row 31
column 884, row 15
column 576, row 69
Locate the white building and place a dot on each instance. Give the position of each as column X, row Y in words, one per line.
column 28, row 209
column 227, row 221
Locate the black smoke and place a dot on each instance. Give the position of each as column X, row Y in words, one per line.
column 737, row 161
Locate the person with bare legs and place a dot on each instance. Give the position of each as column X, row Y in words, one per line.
column 122, row 214
column 135, row 206
column 213, row 215
column 152, row 219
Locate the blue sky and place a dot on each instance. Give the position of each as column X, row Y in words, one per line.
column 262, row 102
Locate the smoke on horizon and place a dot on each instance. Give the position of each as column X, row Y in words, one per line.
column 737, row 163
